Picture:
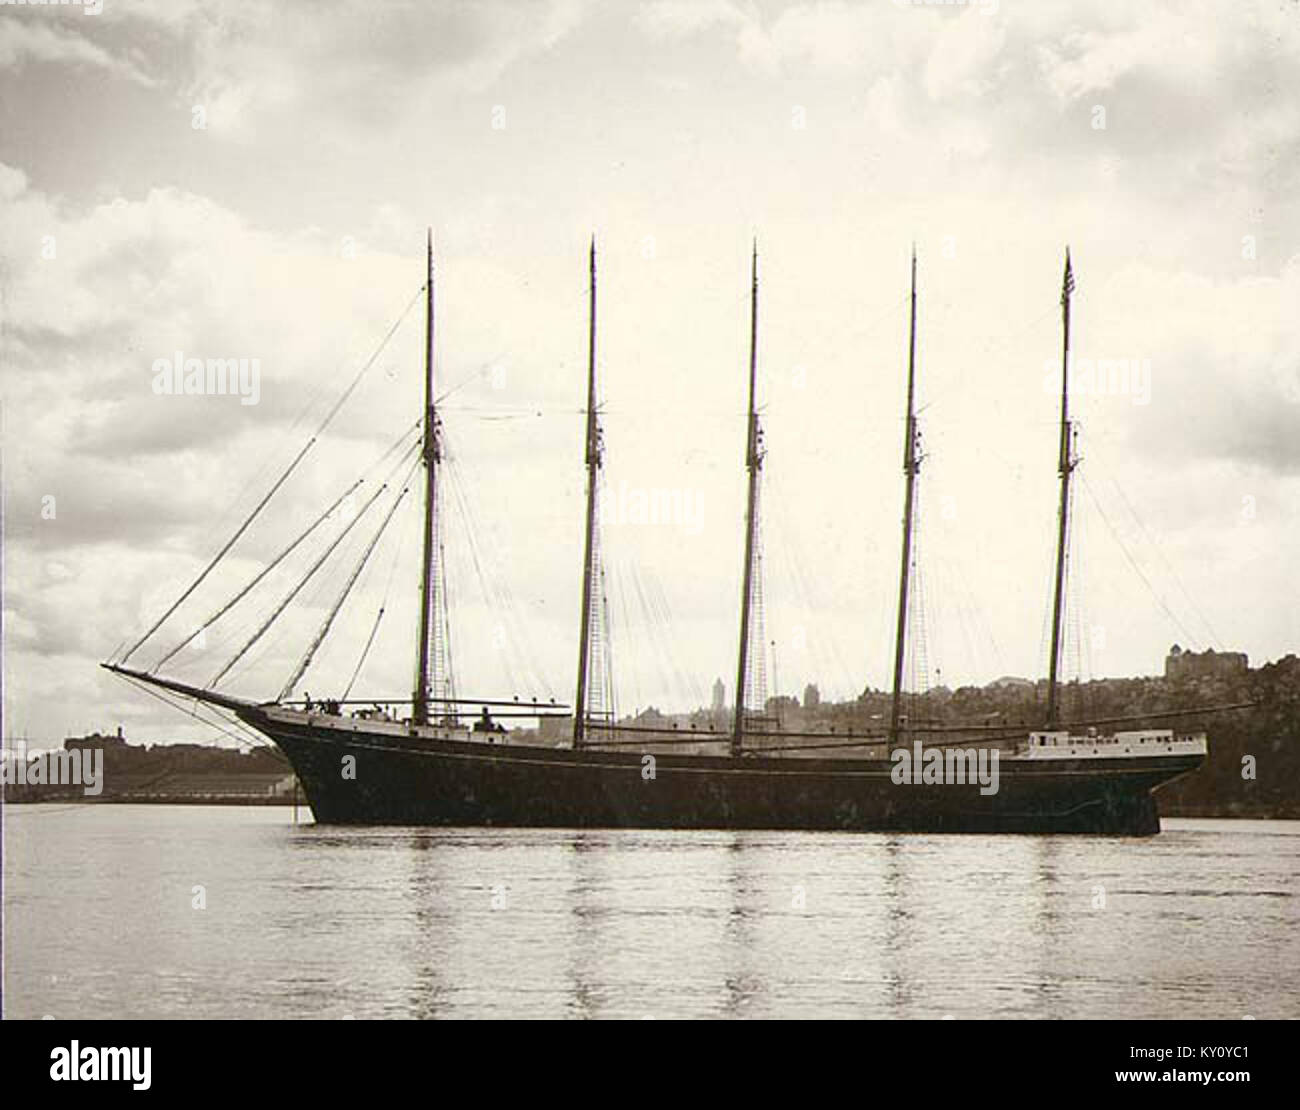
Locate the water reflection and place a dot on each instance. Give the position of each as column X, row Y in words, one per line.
column 894, row 905
column 583, row 859
column 311, row 922
column 742, row 985
column 425, row 877
column 1045, row 895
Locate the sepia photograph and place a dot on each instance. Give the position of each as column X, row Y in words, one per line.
column 659, row 509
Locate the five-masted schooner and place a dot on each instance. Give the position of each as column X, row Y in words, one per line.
column 429, row 768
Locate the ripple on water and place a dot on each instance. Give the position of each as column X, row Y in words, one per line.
column 306, row 921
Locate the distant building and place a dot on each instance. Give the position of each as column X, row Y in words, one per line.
column 719, row 696
column 1010, row 680
column 812, row 697
column 1180, row 664
column 96, row 740
column 555, row 730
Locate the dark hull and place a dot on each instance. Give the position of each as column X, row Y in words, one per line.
column 403, row 780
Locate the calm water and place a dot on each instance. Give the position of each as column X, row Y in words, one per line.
column 1202, row 921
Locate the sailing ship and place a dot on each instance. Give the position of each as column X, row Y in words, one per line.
column 431, row 766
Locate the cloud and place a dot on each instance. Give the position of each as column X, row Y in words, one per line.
column 964, row 59
column 1187, row 109
column 301, row 243
column 248, row 62
column 835, row 37
column 1081, row 62
column 1226, row 381
column 118, row 495
column 96, row 296
column 28, row 38
column 678, row 18
column 13, row 182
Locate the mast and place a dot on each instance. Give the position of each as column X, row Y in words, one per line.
column 1065, row 467
column 593, row 459
column 754, row 464
column 911, row 467
column 431, row 453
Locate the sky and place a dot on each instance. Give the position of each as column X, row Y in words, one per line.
column 254, row 181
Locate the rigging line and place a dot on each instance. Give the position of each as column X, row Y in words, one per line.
column 310, row 653
column 177, row 704
column 831, row 642
column 495, row 588
column 955, row 619
column 950, row 617
column 855, row 330
column 1069, row 596
column 994, row 346
column 471, row 378
column 451, row 471
column 1163, row 558
column 649, row 634
column 284, row 603
column 374, row 629
column 685, row 675
column 282, row 479
column 448, row 682
column 980, row 617
column 257, row 743
column 489, row 596
column 255, row 481
column 610, row 695
column 1003, row 344
column 616, row 579
column 383, row 343
column 605, row 575
column 1145, row 581
column 313, row 598
column 919, row 653
column 758, row 659
column 972, row 617
column 233, row 508
column 321, row 586
column 658, row 635
column 258, row 578
column 450, row 474
column 962, row 733
column 1048, row 596
column 645, row 742
column 958, row 618
column 1082, row 599
column 683, row 688
column 282, row 555
column 303, row 582
column 383, row 604
column 790, row 545
column 220, row 554
column 497, row 415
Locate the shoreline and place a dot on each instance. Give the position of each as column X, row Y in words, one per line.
column 254, row 800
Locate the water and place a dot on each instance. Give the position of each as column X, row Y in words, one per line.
column 99, row 921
